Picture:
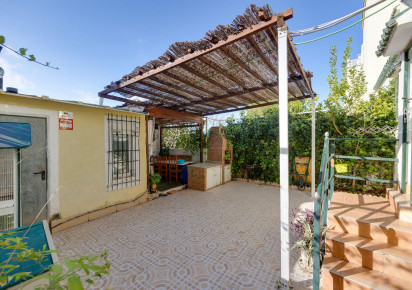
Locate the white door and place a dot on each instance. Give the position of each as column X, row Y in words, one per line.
column 8, row 189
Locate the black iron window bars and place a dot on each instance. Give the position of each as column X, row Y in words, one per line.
column 123, row 154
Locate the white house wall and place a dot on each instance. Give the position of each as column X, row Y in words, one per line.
column 372, row 30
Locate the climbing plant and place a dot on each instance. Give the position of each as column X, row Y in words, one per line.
column 23, row 53
column 183, row 138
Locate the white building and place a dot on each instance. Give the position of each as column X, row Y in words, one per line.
column 386, row 54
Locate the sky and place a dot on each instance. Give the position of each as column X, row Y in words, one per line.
column 96, row 42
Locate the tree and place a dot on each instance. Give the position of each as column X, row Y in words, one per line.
column 345, row 93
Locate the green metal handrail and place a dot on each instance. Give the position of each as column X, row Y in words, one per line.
column 324, row 192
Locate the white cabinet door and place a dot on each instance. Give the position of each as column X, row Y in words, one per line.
column 228, row 173
column 210, row 180
column 218, row 171
column 214, row 176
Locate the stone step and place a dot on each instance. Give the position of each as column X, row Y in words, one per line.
column 375, row 255
column 385, row 229
column 401, row 204
column 338, row 274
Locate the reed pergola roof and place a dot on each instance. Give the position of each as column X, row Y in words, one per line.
column 234, row 67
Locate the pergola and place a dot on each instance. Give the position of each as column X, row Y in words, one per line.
column 248, row 64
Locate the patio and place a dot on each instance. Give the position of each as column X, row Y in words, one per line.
column 226, row 238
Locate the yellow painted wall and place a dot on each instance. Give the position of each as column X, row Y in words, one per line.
column 82, row 168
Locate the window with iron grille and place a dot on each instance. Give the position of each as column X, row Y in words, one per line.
column 123, row 153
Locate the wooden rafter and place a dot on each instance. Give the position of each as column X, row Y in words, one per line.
column 231, row 39
column 126, row 100
column 183, row 90
column 223, row 72
column 272, row 36
column 256, row 106
column 150, row 97
column 296, row 58
column 205, row 90
column 245, row 67
column 173, row 115
column 246, row 91
column 187, row 82
column 159, row 88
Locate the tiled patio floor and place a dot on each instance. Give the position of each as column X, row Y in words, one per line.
column 226, row 238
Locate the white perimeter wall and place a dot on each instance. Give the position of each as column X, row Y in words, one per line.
column 372, row 31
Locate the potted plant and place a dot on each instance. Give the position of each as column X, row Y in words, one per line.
column 302, row 227
column 154, row 179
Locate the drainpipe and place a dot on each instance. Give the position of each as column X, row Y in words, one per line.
column 406, row 97
column 1, row 74
column 405, row 120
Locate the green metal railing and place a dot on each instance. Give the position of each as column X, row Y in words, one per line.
column 324, row 192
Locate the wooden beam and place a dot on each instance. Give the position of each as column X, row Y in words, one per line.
column 203, row 77
column 257, row 106
column 181, row 126
column 182, row 90
column 154, row 96
column 164, row 98
column 126, row 100
column 159, row 112
column 201, row 141
column 236, row 59
column 161, row 137
column 156, row 87
column 299, row 64
column 259, row 51
column 223, row 72
column 239, row 93
column 178, row 78
column 147, row 153
column 272, row 35
column 287, row 14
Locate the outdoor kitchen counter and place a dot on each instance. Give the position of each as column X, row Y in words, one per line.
column 204, row 176
column 205, row 165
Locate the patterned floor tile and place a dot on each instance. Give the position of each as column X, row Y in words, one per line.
column 226, row 238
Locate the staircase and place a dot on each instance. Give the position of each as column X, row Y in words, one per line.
column 368, row 246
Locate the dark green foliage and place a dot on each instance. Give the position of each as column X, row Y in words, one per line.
column 255, row 139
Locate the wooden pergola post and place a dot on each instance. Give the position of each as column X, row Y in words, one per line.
column 161, row 138
column 284, row 153
column 147, row 153
column 201, row 141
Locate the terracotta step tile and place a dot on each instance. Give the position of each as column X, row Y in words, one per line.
column 346, row 275
column 388, row 230
column 375, row 255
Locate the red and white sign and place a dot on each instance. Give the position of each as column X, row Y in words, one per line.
column 65, row 120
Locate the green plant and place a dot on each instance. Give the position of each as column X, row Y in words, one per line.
column 187, row 139
column 165, row 151
column 255, row 135
column 303, row 227
column 23, row 53
column 68, row 277
column 58, row 277
column 19, row 253
column 155, row 178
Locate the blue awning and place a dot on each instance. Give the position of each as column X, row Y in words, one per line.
column 15, row 135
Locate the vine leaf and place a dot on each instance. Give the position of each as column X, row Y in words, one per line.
column 23, row 51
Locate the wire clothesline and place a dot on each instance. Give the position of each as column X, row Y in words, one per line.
column 347, row 27
column 333, row 22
